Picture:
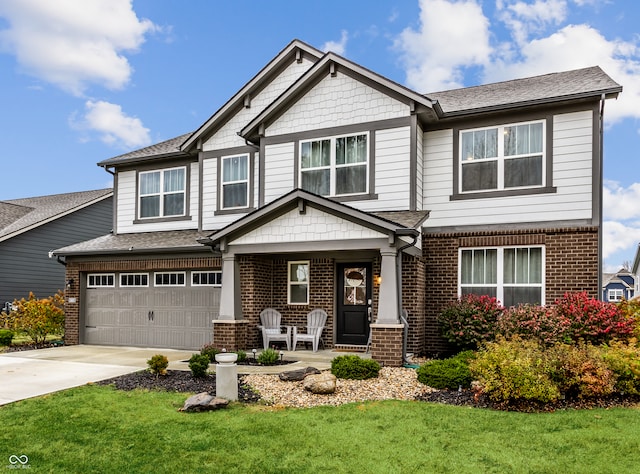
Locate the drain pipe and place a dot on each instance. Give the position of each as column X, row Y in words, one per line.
column 414, row 234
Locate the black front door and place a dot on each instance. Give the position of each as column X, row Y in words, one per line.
column 354, row 303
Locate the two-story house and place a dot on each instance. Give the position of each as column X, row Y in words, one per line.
column 321, row 184
column 618, row 286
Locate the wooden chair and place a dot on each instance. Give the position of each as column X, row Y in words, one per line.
column 316, row 320
column 271, row 328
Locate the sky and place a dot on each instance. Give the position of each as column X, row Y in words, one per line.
column 83, row 81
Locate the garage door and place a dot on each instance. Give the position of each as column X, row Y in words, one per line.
column 164, row 317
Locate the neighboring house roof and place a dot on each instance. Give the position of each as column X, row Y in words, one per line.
column 255, row 85
column 575, row 84
column 166, row 149
column 144, row 242
column 20, row 215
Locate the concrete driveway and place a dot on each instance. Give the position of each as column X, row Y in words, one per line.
column 29, row 374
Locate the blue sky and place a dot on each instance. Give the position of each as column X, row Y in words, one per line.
column 86, row 80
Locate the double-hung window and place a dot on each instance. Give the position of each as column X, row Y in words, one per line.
column 503, row 157
column 235, row 182
column 616, row 294
column 513, row 275
column 298, row 282
column 162, row 193
column 337, row 166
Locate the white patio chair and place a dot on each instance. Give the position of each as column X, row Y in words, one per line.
column 316, row 320
column 272, row 330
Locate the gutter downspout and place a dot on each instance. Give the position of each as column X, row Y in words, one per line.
column 600, row 192
column 415, row 235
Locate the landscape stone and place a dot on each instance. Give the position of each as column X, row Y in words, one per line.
column 203, row 402
column 323, row 383
column 297, row 375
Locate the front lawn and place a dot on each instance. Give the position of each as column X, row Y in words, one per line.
column 99, row 429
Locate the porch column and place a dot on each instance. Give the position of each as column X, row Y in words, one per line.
column 388, row 298
column 230, row 303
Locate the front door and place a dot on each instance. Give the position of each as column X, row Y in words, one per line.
column 354, row 303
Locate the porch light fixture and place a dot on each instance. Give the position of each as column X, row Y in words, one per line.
column 69, row 283
column 377, row 279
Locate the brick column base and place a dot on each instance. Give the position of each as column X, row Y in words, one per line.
column 386, row 344
column 230, row 334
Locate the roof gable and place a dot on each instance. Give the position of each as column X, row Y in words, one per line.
column 21, row 215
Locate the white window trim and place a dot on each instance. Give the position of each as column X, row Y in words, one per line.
column 333, row 166
column 290, row 283
column 500, row 159
column 164, row 285
column 162, row 193
column 218, row 274
column 133, row 286
column 223, row 182
column 101, row 275
column 500, row 271
column 615, row 294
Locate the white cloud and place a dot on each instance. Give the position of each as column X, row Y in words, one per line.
column 113, row 125
column 338, row 47
column 621, row 226
column 621, row 203
column 452, row 36
column 73, row 43
column 617, row 236
column 523, row 18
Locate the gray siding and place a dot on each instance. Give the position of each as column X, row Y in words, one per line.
column 24, row 261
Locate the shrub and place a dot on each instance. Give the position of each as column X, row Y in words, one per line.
column 242, row 355
column 449, row 373
column 624, row 361
column 631, row 310
column 210, row 351
column 268, row 357
column 353, row 367
column 6, row 336
column 593, row 321
column 158, row 364
column 199, row 363
column 37, row 318
column 514, row 371
column 534, row 321
column 470, row 321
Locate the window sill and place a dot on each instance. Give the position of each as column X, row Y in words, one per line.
column 354, row 197
column 503, row 193
column 153, row 220
column 224, row 212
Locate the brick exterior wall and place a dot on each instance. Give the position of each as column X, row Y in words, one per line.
column 413, row 301
column 230, row 335
column 571, row 264
column 74, row 269
column 386, row 345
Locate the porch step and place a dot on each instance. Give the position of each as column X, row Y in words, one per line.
column 349, row 348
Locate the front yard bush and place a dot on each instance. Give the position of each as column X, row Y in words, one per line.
column 37, row 318
column 6, row 336
column 624, row 361
column 534, row 322
column 450, row 373
column 354, row 367
column 210, row 351
column 631, row 310
column 158, row 364
column 470, row 321
column 199, row 364
column 268, row 357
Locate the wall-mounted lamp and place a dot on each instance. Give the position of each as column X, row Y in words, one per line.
column 69, row 283
column 377, row 279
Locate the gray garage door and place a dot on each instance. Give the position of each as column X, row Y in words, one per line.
column 167, row 317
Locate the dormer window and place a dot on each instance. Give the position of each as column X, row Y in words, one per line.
column 162, row 193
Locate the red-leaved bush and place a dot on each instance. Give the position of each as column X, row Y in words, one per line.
column 592, row 320
column 470, row 321
column 534, row 322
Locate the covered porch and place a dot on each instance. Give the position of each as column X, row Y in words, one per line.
column 303, row 252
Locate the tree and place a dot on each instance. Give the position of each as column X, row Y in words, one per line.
column 37, row 318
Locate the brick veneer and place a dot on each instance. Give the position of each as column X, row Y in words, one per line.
column 571, row 264
column 230, row 335
column 386, row 344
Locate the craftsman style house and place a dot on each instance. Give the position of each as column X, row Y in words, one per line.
column 321, row 184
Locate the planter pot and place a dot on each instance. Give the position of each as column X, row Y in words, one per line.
column 226, row 357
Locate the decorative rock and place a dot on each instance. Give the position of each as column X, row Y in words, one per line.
column 323, row 383
column 203, row 402
column 297, row 375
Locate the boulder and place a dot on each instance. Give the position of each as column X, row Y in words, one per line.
column 203, row 402
column 297, row 375
column 323, row 383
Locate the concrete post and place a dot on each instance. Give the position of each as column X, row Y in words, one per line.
column 227, row 376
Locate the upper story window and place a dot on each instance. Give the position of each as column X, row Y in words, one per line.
column 235, row 182
column 162, row 193
column 502, row 157
column 335, row 166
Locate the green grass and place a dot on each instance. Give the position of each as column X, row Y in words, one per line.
column 99, row 429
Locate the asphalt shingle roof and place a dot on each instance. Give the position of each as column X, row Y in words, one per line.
column 568, row 84
column 17, row 215
column 167, row 147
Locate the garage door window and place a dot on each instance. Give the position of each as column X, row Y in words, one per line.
column 101, row 280
column 134, row 280
column 206, row 279
column 170, row 279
